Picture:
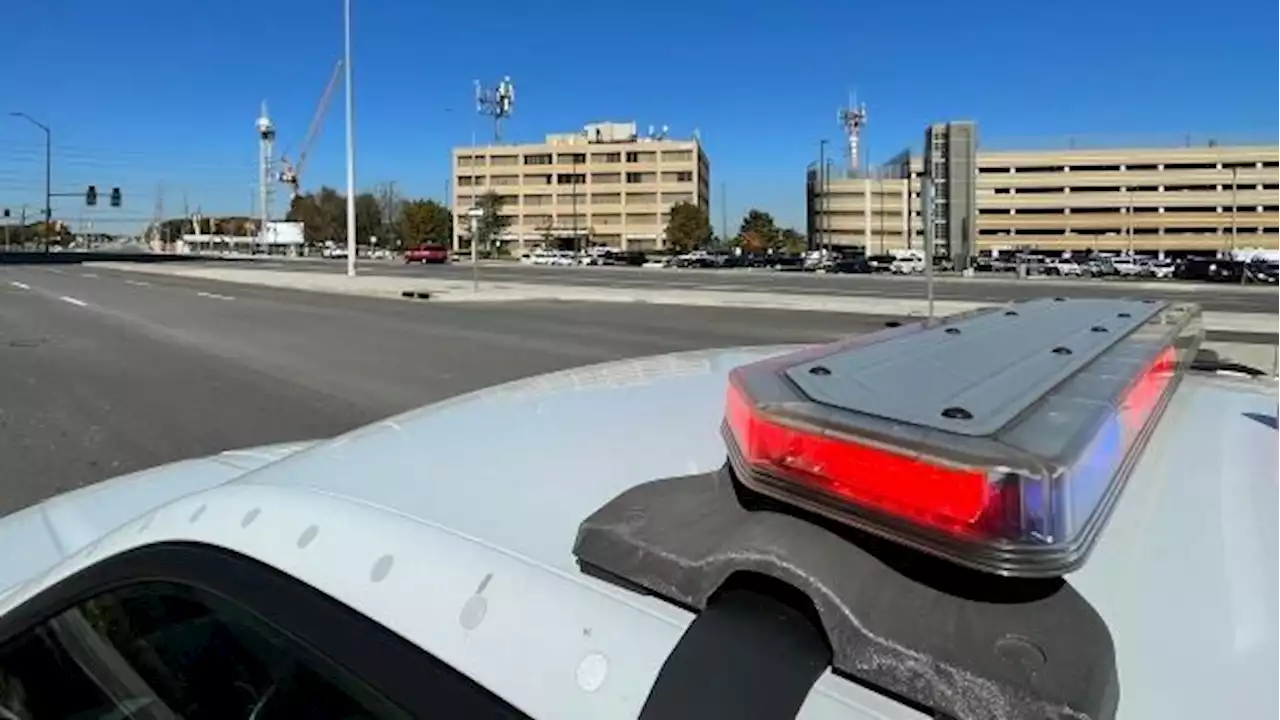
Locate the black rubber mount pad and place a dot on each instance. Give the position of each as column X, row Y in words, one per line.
column 967, row 645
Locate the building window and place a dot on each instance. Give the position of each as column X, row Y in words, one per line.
column 503, row 160
column 641, row 177
column 572, row 159
column 536, row 200
column 612, row 157
column 543, row 159
column 571, row 179
column 605, row 178
column 505, row 180
column 464, row 181
column 642, row 198
column 606, row 199
column 677, row 156
column 680, row 197
column 681, row 176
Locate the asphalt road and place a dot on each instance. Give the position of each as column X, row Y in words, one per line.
column 999, row 288
column 105, row 373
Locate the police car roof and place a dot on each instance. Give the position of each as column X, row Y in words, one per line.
column 1184, row 575
column 454, row 526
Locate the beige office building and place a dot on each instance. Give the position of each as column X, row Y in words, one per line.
column 606, row 185
column 1189, row 199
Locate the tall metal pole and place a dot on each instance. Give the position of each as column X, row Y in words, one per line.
column 573, row 176
column 926, row 211
column 1129, row 218
column 724, row 214
column 475, row 259
column 822, row 193
column 1234, row 204
column 351, row 141
column 48, row 173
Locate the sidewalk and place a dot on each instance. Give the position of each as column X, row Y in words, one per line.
column 462, row 291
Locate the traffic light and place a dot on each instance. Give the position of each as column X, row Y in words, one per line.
column 115, row 197
column 6, row 212
column 91, row 196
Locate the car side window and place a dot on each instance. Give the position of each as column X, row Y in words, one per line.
column 165, row 650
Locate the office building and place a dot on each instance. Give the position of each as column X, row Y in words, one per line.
column 605, row 185
column 1190, row 199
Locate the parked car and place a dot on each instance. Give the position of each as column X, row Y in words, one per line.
column 1063, row 267
column 430, row 253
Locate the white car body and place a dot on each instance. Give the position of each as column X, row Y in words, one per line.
column 907, row 266
column 1067, row 268
column 1126, row 267
column 1184, row 553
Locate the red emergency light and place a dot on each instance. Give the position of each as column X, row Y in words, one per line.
column 1008, row 462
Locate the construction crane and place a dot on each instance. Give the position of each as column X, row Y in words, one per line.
column 290, row 173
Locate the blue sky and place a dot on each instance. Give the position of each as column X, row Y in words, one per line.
column 144, row 92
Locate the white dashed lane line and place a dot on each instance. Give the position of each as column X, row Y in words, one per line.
column 214, row 296
column 88, row 275
column 137, row 283
column 20, row 286
column 73, row 301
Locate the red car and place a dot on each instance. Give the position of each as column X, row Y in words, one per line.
column 427, row 254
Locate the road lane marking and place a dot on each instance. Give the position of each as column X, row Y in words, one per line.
column 88, row 275
column 73, row 301
column 17, row 284
column 55, row 270
column 215, row 296
column 137, row 283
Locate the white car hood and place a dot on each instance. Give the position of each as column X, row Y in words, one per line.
column 50, row 531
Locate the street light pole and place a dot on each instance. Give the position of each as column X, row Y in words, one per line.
column 474, row 215
column 351, row 143
column 48, row 173
column 822, row 193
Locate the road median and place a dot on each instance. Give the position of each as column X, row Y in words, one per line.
column 454, row 291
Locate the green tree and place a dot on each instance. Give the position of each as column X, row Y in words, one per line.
column 368, row 217
column 491, row 222
column 424, row 221
column 688, row 228
column 758, row 231
column 323, row 215
column 791, row 241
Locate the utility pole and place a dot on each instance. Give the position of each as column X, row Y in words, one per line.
column 724, row 213
column 822, row 194
column 1130, row 218
column 573, row 178
column 351, row 141
column 48, row 174
column 1234, row 205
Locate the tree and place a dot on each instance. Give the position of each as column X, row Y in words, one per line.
column 688, row 228
column 491, row 223
column 390, row 205
column 423, row 221
column 368, row 217
column 323, row 215
column 792, row 241
column 757, row 232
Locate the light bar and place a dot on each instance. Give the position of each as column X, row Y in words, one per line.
column 998, row 440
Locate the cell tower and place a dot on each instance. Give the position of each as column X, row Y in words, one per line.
column 852, row 117
column 266, row 160
column 496, row 103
